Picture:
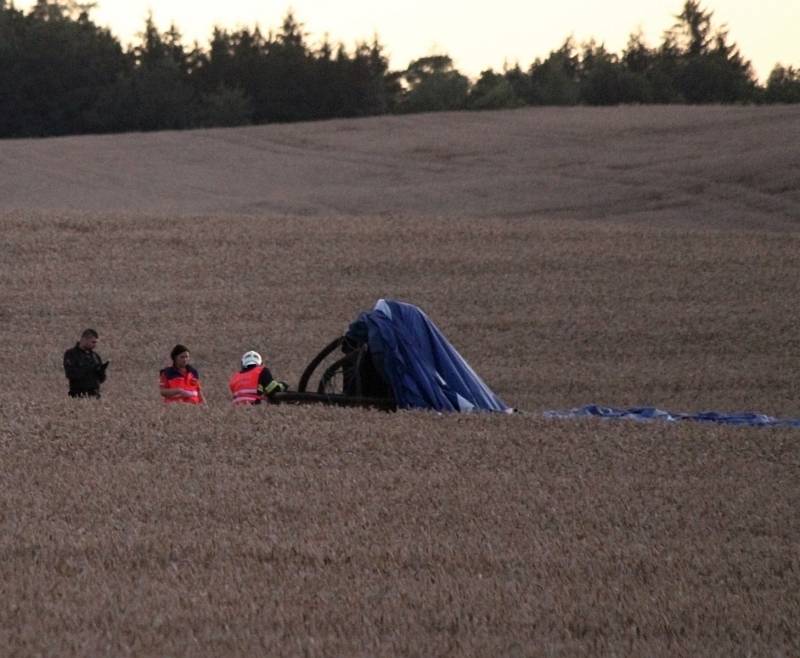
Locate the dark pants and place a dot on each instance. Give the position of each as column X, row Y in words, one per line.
column 95, row 393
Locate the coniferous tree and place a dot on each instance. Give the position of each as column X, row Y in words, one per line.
column 14, row 88
column 694, row 28
column 249, row 69
column 158, row 91
column 217, row 69
column 286, row 76
column 326, row 80
column 384, row 86
column 666, row 71
column 709, row 69
column 222, row 98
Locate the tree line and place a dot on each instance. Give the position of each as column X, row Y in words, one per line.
column 62, row 74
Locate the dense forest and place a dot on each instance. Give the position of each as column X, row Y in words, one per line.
column 62, row 74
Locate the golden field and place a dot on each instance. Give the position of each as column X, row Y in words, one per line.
column 625, row 256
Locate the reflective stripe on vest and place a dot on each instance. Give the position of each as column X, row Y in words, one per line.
column 244, row 386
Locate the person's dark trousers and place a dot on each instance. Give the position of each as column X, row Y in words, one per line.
column 84, row 394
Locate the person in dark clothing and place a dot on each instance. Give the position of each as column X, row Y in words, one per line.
column 84, row 368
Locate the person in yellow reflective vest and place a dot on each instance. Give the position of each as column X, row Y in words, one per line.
column 254, row 382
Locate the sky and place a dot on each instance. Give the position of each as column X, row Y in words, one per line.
column 477, row 34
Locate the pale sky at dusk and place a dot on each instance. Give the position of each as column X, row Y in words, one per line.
column 477, row 35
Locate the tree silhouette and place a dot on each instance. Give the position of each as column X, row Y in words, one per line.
column 157, row 90
column 62, row 74
column 710, row 70
column 555, row 81
column 783, row 85
column 54, row 70
column 433, row 85
column 493, row 91
column 604, row 79
column 694, row 28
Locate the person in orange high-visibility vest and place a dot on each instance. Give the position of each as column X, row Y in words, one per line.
column 180, row 382
column 254, row 382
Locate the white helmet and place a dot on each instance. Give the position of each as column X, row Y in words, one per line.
column 251, row 359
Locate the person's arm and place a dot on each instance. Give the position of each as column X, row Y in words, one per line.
column 174, row 393
column 71, row 369
column 268, row 385
column 100, row 369
column 200, row 395
column 168, row 392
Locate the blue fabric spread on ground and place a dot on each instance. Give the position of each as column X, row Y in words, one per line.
column 650, row 413
column 424, row 370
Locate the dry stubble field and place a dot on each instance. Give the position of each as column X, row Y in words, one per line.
column 626, row 256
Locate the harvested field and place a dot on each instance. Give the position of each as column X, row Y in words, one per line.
column 636, row 256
